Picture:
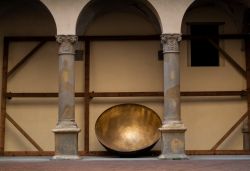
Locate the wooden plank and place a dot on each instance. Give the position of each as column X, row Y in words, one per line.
column 106, row 153
column 87, row 96
column 121, row 38
column 242, row 118
column 38, row 95
column 29, row 153
column 127, row 94
column 26, row 58
column 229, row 59
column 3, row 96
column 125, row 37
column 217, row 152
column 160, row 94
column 30, row 38
column 18, row 127
column 214, row 93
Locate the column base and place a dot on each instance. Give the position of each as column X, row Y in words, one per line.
column 173, row 157
column 66, row 141
column 246, row 139
column 173, row 141
column 66, row 157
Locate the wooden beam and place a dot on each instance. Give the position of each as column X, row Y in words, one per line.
column 127, row 94
column 3, row 95
column 221, row 37
column 189, row 152
column 160, row 94
column 26, row 58
column 87, row 95
column 106, row 153
column 38, row 95
column 30, row 38
column 217, row 152
column 29, row 153
column 242, row 118
column 125, row 37
column 18, row 127
column 229, row 59
column 214, row 93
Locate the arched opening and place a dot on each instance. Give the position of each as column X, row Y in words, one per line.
column 225, row 17
column 97, row 8
column 33, row 16
column 129, row 64
column 21, row 22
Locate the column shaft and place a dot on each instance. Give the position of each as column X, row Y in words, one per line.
column 66, row 78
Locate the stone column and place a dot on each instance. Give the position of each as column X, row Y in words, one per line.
column 172, row 130
column 66, row 131
column 246, row 137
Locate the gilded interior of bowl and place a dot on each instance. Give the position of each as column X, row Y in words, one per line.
column 128, row 128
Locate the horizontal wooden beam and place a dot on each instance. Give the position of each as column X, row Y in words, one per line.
column 29, row 153
column 217, row 152
column 214, row 93
column 37, row 95
column 127, row 94
column 106, row 153
column 123, row 37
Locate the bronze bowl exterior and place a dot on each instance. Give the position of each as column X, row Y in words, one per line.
column 128, row 129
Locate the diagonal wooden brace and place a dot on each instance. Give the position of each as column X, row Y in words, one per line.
column 18, row 127
column 229, row 58
column 243, row 117
column 26, row 58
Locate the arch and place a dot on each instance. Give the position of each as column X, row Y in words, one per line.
column 12, row 7
column 97, row 7
column 234, row 9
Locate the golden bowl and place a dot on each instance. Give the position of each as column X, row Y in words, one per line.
column 128, row 128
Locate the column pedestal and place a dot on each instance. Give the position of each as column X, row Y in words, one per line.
column 66, row 141
column 246, row 137
column 173, row 141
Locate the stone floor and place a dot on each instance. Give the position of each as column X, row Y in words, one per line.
column 195, row 163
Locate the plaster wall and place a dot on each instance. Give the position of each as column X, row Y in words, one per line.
column 134, row 67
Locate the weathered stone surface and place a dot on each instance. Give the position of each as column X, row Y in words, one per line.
column 246, row 137
column 172, row 130
column 66, row 131
column 69, row 148
column 173, row 144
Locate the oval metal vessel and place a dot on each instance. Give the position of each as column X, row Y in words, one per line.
column 128, row 128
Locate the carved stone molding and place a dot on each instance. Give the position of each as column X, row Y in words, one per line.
column 170, row 42
column 66, row 43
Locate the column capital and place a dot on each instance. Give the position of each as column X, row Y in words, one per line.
column 170, row 42
column 66, row 38
column 66, row 43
